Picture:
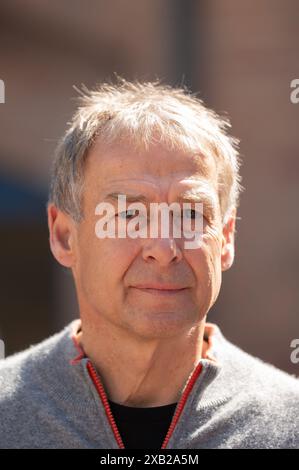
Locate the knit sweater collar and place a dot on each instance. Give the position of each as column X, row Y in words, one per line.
column 86, row 381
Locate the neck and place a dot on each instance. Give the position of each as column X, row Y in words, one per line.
column 140, row 371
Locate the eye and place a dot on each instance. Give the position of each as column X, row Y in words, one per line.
column 126, row 214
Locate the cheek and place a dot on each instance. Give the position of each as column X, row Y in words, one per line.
column 213, row 255
column 206, row 265
column 213, row 260
column 103, row 263
column 212, row 241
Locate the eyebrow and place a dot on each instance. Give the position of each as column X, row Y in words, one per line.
column 129, row 197
column 189, row 196
column 207, row 199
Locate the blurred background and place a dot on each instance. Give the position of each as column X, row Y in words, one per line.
column 240, row 57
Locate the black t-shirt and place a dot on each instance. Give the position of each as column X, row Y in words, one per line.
column 142, row 428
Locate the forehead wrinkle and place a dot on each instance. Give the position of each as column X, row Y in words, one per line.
column 202, row 163
column 191, row 196
column 191, row 184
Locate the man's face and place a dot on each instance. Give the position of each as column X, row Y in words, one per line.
column 153, row 287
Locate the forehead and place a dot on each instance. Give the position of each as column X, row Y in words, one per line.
column 120, row 167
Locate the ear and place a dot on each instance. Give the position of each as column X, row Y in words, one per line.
column 228, row 241
column 61, row 236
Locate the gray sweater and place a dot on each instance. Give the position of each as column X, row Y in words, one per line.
column 52, row 397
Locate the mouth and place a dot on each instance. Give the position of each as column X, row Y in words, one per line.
column 163, row 290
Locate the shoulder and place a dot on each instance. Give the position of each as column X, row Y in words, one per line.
column 21, row 368
column 264, row 400
column 28, row 381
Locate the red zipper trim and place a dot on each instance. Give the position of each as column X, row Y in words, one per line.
column 181, row 404
column 81, row 353
column 99, row 386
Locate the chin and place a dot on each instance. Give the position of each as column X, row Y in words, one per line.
column 160, row 324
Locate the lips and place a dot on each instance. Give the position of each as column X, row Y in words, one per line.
column 159, row 286
column 160, row 289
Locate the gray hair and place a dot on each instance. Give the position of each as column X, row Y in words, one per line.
column 142, row 113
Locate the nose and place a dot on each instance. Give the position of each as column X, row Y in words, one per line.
column 164, row 251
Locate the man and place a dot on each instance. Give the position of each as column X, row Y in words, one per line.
column 142, row 368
